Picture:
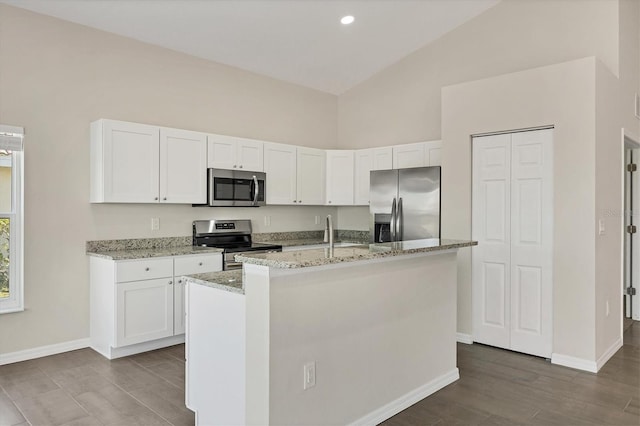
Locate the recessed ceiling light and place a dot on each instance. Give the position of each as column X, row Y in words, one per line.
column 346, row 20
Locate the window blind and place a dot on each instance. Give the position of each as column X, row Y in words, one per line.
column 11, row 138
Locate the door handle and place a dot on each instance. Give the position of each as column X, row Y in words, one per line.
column 392, row 224
column 255, row 190
column 399, row 221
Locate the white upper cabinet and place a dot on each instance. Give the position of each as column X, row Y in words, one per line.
column 125, row 161
column 183, row 167
column 295, row 175
column 310, row 176
column 416, row 155
column 340, row 177
column 382, row 158
column 280, row 167
column 365, row 161
column 137, row 163
column 409, row 155
column 432, row 152
column 231, row 153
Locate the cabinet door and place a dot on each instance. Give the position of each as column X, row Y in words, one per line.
column 340, row 176
column 221, row 152
column 250, row 154
column 432, row 153
column 183, row 167
column 179, row 319
column 311, row 176
column 130, row 161
column 280, row 167
column 409, row 155
column 382, row 158
column 363, row 167
column 144, row 311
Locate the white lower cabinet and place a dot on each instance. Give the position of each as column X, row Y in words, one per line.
column 138, row 305
column 144, row 311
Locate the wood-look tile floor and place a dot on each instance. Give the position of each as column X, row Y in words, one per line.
column 496, row 387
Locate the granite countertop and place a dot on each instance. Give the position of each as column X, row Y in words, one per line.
column 313, row 241
column 223, row 280
column 145, row 253
column 319, row 257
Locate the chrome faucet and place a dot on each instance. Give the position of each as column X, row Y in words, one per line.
column 328, row 234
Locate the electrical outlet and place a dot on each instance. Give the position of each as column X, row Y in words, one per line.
column 601, row 227
column 309, row 375
column 317, row 219
column 267, row 221
column 155, row 223
column 607, row 308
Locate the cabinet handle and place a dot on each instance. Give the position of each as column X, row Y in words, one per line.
column 179, row 281
column 165, row 198
column 294, row 201
column 170, row 282
column 240, row 166
column 156, row 198
column 146, row 269
column 200, row 264
column 329, row 202
column 234, row 166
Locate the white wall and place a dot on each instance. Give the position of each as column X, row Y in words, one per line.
column 370, row 327
column 609, row 190
column 57, row 77
column 629, row 35
column 564, row 96
column 403, row 102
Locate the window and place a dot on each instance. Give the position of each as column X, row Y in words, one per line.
column 11, row 219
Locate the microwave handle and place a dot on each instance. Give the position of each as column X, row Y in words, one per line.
column 255, row 190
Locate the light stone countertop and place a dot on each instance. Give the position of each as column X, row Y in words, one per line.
column 312, row 241
column 146, row 253
column 319, row 257
column 223, row 280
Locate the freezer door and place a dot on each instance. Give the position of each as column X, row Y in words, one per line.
column 419, row 210
column 383, row 190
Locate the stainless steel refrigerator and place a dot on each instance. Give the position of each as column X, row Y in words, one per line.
column 405, row 204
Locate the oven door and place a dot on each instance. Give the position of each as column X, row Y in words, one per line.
column 232, row 188
column 230, row 262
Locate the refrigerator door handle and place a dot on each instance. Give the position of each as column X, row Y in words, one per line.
column 399, row 220
column 392, row 224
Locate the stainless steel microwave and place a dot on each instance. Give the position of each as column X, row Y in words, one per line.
column 235, row 188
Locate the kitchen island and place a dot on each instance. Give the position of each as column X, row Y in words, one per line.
column 352, row 335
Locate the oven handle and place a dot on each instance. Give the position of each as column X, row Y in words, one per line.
column 255, row 190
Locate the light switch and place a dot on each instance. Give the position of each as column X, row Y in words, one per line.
column 155, row 223
column 601, row 227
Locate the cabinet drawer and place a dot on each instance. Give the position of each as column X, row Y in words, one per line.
column 145, row 269
column 186, row 265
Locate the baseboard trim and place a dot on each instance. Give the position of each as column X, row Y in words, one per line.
column 113, row 353
column 608, row 354
column 407, row 400
column 573, row 362
column 58, row 348
column 467, row 339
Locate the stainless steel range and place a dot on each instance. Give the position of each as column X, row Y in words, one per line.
column 234, row 236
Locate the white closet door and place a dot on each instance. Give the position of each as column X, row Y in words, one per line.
column 491, row 202
column 512, row 220
column 531, row 241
